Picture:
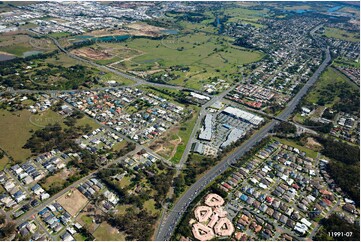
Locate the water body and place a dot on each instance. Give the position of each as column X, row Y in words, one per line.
column 334, row 9
column 4, row 57
column 112, row 38
column 32, row 52
column 301, row 11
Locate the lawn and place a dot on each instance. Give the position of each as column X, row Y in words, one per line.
column 309, row 152
column 342, row 34
column 16, row 127
column 121, row 209
column 105, row 232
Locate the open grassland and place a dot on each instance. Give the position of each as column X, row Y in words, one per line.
column 3, row 162
column 245, row 14
column 15, row 44
column 342, row 34
column 330, row 76
column 16, row 127
column 18, row 43
column 105, row 232
column 63, row 60
column 206, row 56
column 109, row 76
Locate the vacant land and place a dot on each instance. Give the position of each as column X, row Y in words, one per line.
column 3, row 162
column 171, row 145
column 322, row 93
column 244, row 14
column 16, row 127
column 105, row 232
column 21, row 44
column 342, row 34
column 74, row 202
column 189, row 60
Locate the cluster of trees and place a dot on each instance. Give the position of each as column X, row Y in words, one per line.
column 196, row 167
column 336, row 224
column 344, row 166
column 322, row 127
column 341, row 151
column 161, row 183
column 136, row 224
column 55, row 137
column 285, row 128
column 7, row 229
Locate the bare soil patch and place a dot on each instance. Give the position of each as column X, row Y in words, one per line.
column 73, row 201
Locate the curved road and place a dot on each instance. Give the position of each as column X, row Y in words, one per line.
column 167, row 227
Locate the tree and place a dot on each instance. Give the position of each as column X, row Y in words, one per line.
column 7, row 230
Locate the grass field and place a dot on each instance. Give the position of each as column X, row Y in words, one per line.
column 342, row 34
column 16, row 127
column 56, row 180
column 86, row 120
column 185, row 133
column 113, row 77
column 149, row 205
column 105, row 232
column 206, row 55
column 330, row 76
column 19, row 43
column 339, row 61
column 3, row 162
column 245, row 14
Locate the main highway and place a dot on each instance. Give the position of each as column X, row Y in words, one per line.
column 171, row 220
